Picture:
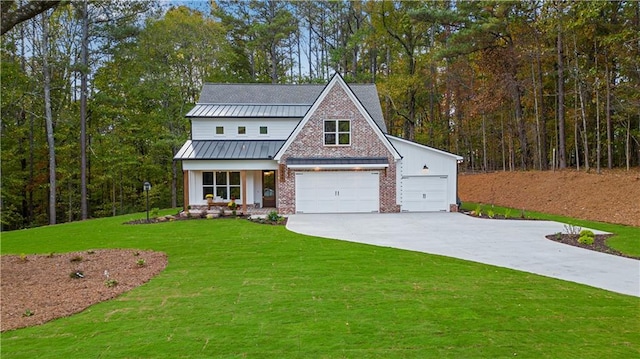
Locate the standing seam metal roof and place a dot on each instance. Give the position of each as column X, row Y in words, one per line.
column 248, row 110
column 228, row 149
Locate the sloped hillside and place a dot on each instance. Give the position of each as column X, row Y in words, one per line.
column 613, row 196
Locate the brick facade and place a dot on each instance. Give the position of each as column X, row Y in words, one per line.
column 309, row 142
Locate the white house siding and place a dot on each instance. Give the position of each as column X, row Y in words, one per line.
column 278, row 129
column 253, row 190
column 416, row 156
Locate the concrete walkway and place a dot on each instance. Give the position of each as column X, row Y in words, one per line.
column 519, row 245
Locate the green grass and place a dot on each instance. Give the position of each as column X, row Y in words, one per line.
column 626, row 239
column 234, row 289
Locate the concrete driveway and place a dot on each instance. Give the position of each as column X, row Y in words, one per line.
column 519, row 245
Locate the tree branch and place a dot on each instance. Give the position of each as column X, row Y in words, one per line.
column 12, row 17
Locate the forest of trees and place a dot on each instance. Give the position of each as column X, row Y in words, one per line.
column 93, row 93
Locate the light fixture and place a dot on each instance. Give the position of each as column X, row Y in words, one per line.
column 425, row 169
column 147, row 187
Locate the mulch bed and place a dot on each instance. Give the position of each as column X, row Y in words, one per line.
column 599, row 243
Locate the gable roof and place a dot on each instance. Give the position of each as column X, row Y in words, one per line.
column 249, row 95
column 337, row 80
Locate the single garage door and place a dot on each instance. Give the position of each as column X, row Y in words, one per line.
column 335, row 192
column 424, row 193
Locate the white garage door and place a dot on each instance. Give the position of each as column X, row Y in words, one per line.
column 335, row 192
column 424, row 194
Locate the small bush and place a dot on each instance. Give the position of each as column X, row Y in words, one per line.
column 75, row 259
column 586, row 240
column 111, row 283
column 141, row 262
column 273, row 216
column 28, row 313
column 491, row 213
column 587, row 233
column 155, row 212
column 571, row 229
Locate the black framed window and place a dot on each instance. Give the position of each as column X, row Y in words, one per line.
column 337, row 132
column 223, row 184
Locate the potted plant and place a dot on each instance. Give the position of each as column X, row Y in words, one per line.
column 209, row 198
column 232, row 206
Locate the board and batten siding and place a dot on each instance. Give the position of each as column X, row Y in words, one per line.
column 416, row 156
column 254, row 183
column 278, row 129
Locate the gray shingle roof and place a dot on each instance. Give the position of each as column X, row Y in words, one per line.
column 228, row 149
column 277, row 94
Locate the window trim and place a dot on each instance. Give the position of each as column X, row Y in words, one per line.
column 336, row 133
column 227, row 185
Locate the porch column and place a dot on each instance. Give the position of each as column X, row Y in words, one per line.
column 185, row 189
column 243, row 190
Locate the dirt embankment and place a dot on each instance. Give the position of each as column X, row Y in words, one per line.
column 612, row 196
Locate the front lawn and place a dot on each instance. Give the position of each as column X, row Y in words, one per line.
column 237, row 289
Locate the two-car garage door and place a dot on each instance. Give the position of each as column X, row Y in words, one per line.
column 337, row 192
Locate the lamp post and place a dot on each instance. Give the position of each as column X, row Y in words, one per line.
column 147, row 187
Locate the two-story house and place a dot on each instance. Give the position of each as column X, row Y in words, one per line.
column 309, row 149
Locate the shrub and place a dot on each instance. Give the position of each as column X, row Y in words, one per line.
column 111, row 283
column 141, row 262
column 28, row 313
column 586, row 240
column 491, row 213
column 273, row 216
column 587, row 233
column 75, row 259
column 155, row 212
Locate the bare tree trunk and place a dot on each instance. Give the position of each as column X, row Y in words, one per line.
column 560, row 62
column 537, row 116
column 83, row 111
column 49, row 118
column 583, row 112
column 484, row 144
column 608, row 117
column 597, row 128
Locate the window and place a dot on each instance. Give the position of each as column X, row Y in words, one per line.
column 242, row 130
column 221, row 184
column 219, row 130
column 337, row 132
column 263, row 130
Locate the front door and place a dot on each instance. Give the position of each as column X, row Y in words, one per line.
column 268, row 188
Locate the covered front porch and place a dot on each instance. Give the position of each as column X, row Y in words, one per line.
column 242, row 171
column 214, row 189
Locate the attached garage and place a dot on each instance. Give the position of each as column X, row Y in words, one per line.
column 424, row 193
column 337, row 191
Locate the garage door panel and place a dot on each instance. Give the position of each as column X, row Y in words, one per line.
column 335, row 192
column 424, row 194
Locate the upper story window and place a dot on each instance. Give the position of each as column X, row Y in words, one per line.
column 263, row 130
column 337, row 132
column 219, row 130
column 242, row 130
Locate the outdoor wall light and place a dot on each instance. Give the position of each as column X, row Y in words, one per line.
column 425, row 169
